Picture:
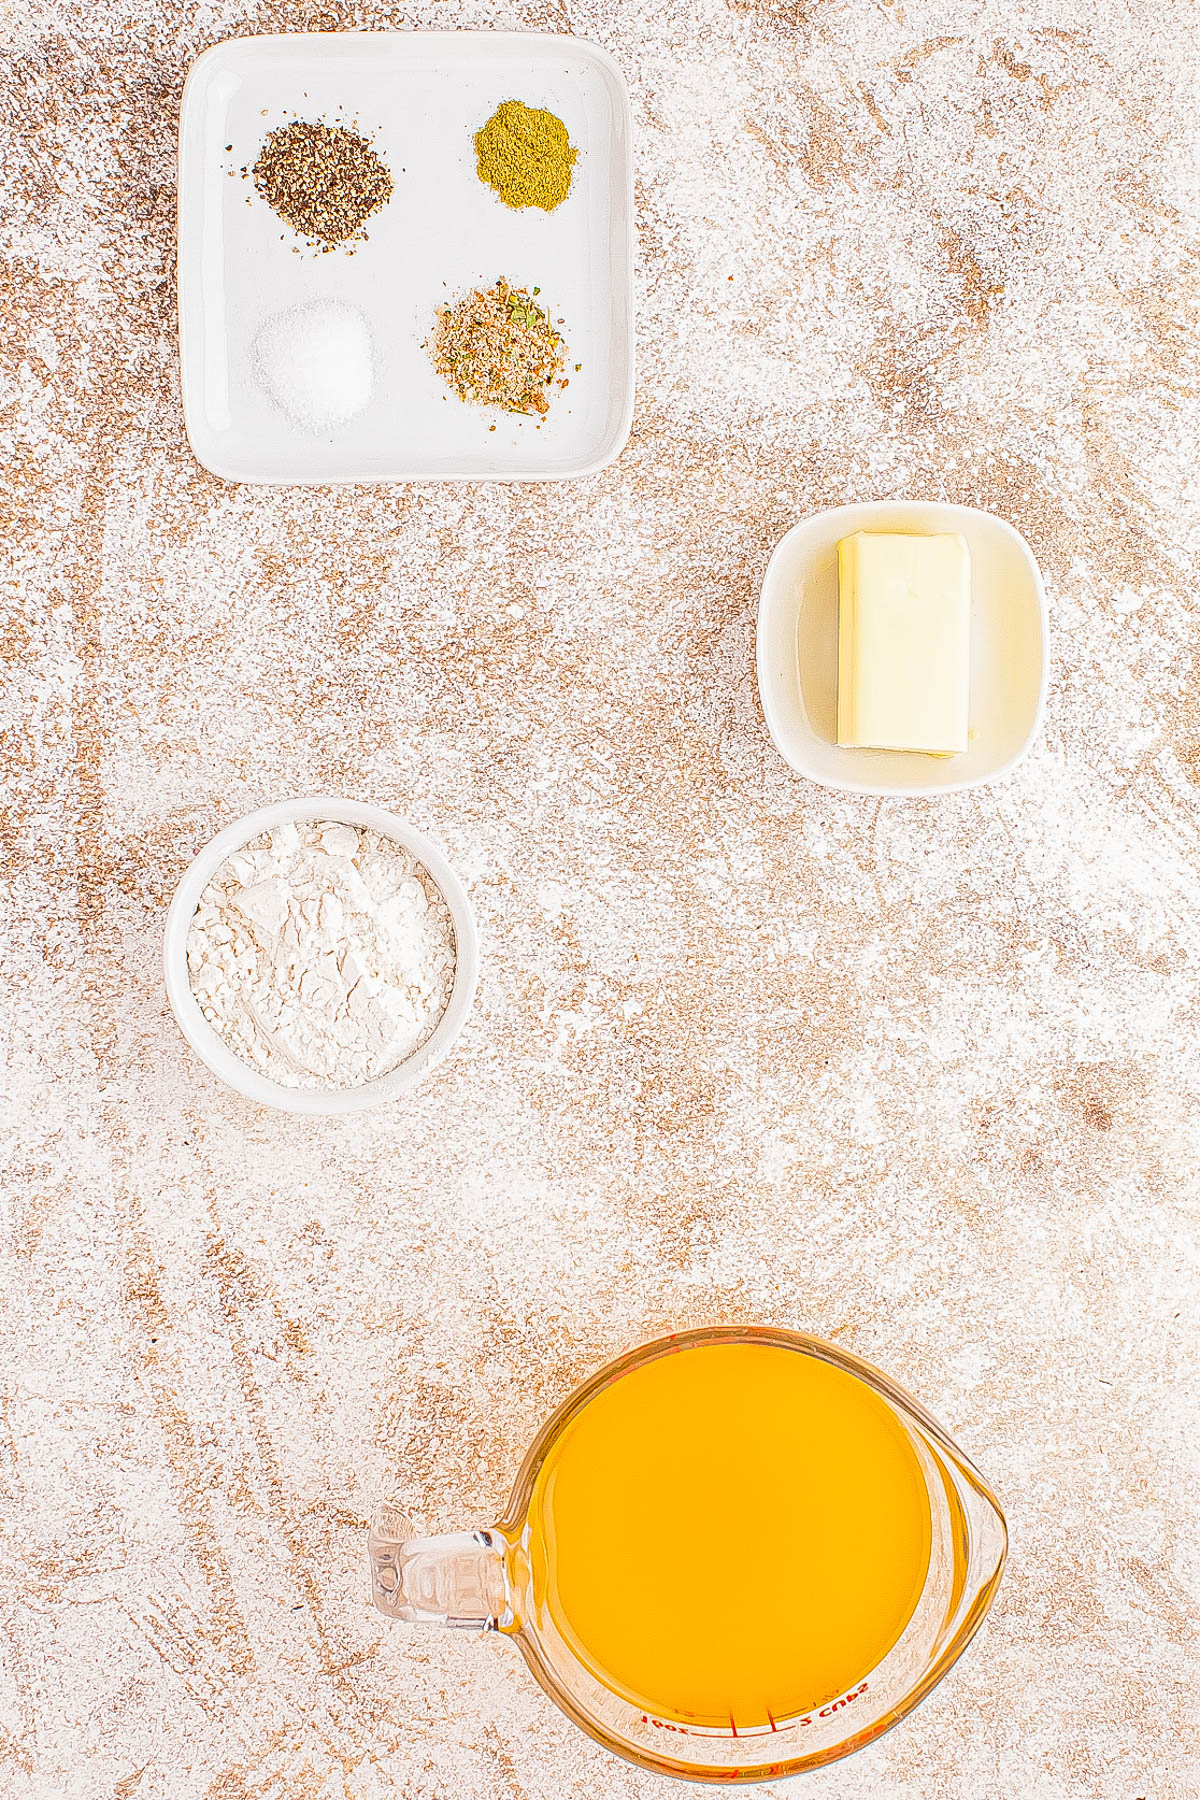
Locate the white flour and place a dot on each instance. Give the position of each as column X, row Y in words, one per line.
column 323, row 955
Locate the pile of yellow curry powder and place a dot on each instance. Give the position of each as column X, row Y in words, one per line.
column 525, row 154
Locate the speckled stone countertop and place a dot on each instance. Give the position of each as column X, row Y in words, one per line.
column 921, row 1078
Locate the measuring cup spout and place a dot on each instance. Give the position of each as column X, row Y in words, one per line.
column 458, row 1580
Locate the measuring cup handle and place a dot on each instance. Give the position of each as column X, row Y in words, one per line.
column 458, row 1580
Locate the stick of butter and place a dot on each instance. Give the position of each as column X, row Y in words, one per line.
column 903, row 642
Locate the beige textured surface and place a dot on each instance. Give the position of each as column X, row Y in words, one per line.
column 924, row 1079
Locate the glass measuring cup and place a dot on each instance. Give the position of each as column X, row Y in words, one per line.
column 494, row 1580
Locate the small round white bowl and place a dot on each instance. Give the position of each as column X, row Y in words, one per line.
column 212, row 1049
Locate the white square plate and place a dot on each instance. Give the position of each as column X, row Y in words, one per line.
column 419, row 97
column 798, row 640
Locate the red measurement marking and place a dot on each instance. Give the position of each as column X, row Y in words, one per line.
column 771, row 1720
column 732, row 1726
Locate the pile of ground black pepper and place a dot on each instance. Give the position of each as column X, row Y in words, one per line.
column 497, row 347
column 325, row 181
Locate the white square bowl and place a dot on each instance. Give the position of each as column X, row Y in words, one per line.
column 798, row 643
column 419, row 96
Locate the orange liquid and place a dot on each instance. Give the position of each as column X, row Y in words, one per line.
column 731, row 1534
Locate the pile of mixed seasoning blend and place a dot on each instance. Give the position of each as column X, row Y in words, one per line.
column 524, row 153
column 497, row 347
column 324, row 181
